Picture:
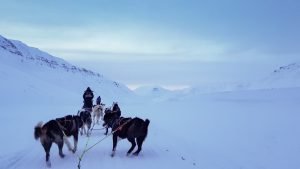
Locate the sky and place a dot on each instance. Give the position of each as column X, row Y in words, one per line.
column 172, row 43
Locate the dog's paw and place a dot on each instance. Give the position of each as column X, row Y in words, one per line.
column 48, row 163
column 61, row 155
column 112, row 154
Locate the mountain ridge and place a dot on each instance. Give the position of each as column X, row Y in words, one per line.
column 35, row 54
column 51, row 70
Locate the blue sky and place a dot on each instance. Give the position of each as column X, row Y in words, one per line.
column 164, row 42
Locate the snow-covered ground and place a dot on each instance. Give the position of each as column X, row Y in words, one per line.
column 254, row 129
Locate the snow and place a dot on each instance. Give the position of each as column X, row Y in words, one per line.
column 284, row 77
column 249, row 129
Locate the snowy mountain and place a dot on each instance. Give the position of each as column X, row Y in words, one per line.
column 152, row 91
column 284, row 77
column 37, row 70
column 160, row 93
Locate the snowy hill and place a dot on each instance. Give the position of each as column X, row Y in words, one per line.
column 287, row 76
column 160, row 93
column 283, row 77
column 153, row 91
column 37, row 71
column 157, row 93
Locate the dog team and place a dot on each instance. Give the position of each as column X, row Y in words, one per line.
column 60, row 129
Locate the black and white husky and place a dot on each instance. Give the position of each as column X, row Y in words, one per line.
column 57, row 131
column 87, row 121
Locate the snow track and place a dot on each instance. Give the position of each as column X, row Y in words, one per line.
column 249, row 129
column 155, row 154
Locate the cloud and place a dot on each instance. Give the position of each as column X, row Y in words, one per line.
column 146, row 41
column 131, row 42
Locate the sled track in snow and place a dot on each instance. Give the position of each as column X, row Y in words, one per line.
column 13, row 160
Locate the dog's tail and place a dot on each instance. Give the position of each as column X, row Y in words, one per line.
column 146, row 124
column 38, row 130
column 147, row 121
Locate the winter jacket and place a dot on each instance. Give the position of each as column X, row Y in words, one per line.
column 98, row 101
column 88, row 98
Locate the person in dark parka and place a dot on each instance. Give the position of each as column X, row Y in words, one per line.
column 88, row 99
column 98, row 101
